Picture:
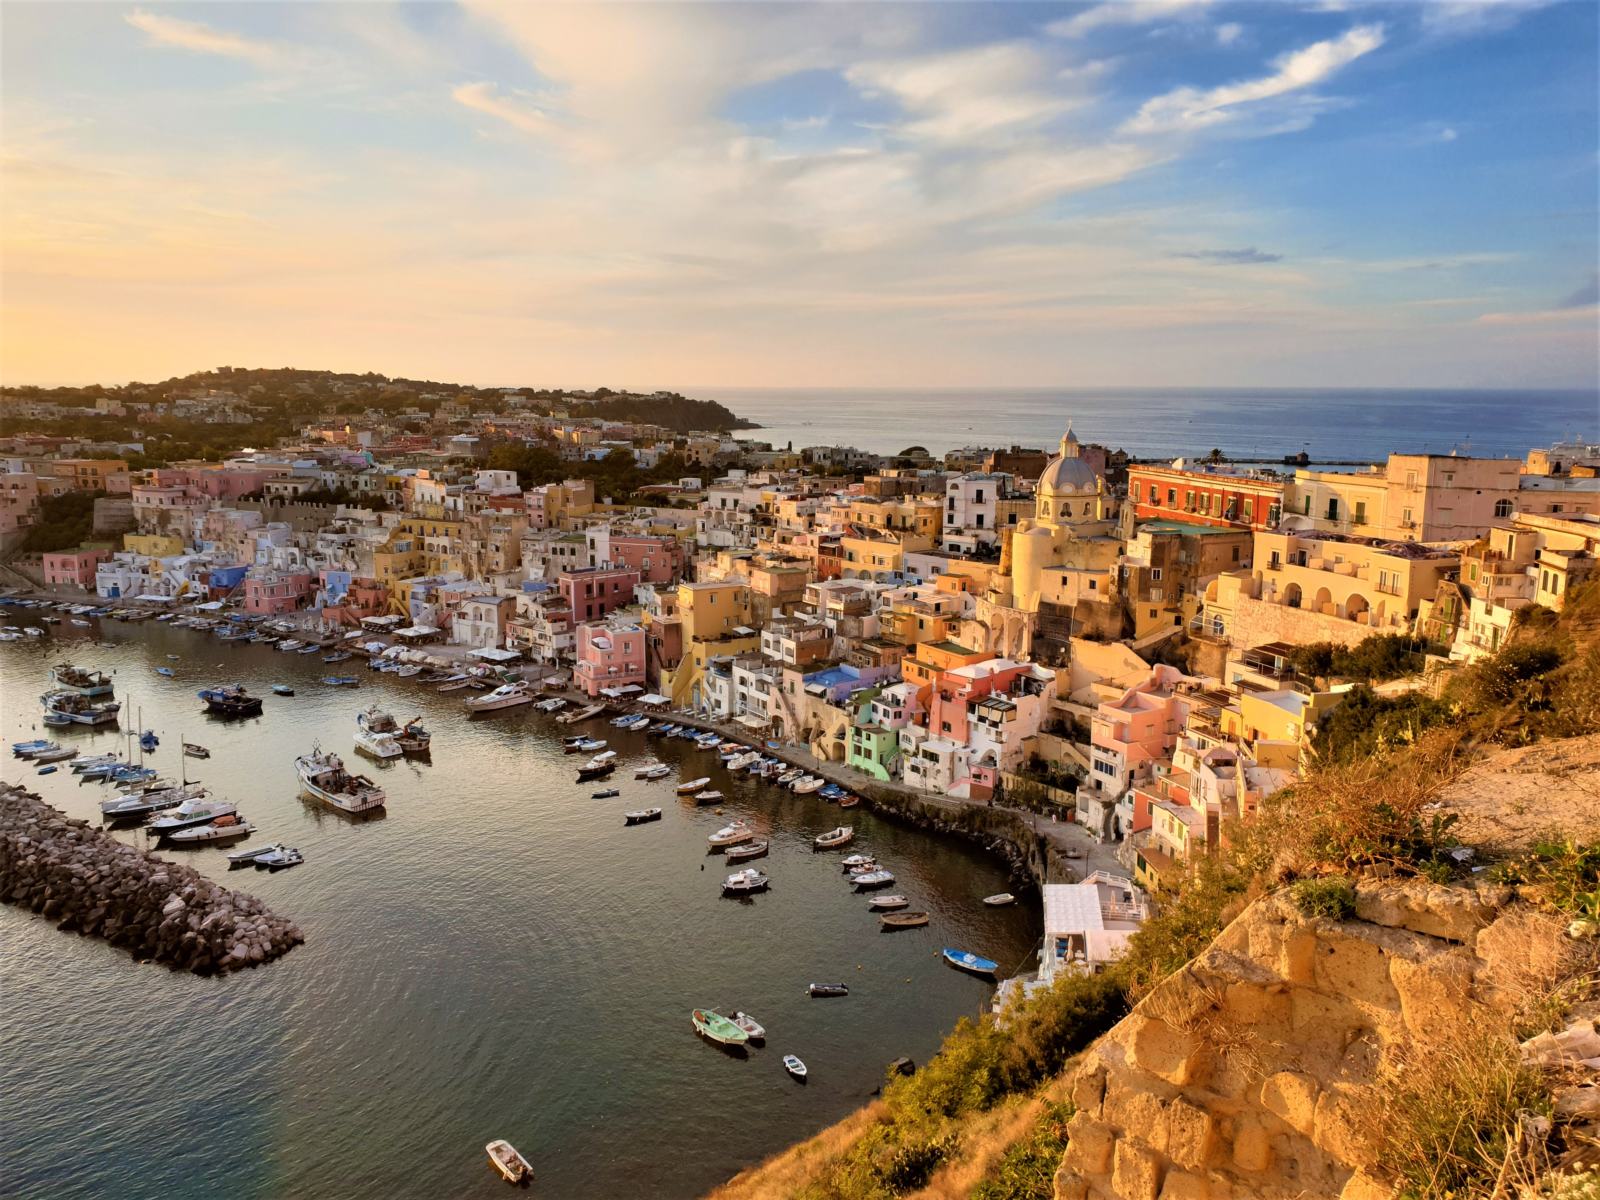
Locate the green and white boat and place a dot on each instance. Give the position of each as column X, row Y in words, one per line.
column 718, row 1028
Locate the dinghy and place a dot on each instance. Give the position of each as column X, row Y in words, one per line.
column 605, row 794
column 752, row 1028
column 964, row 960
column 820, row 990
column 640, row 817
column 693, row 786
column 834, row 838
column 884, row 903
column 745, row 851
column 512, row 1166
column 999, row 899
column 795, row 1067
column 903, row 920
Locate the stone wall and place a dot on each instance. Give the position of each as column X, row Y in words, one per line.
column 1257, row 622
column 85, row 880
column 1253, row 1073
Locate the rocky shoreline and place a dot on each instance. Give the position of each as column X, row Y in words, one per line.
column 88, row 882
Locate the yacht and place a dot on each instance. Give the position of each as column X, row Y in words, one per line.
column 223, row 829
column 197, row 810
column 149, row 800
column 324, row 776
column 375, row 734
column 507, row 695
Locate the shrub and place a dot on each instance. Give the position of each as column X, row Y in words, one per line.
column 1564, row 872
column 1027, row 1171
column 1332, row 896
column 1375, row 659
column 1365, row 724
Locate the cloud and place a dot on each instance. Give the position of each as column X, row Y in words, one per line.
column 1228, row 33
column 483, row 98
column 1475, row 16
column 203, row 39
column 1586, row 295
column 1123, row 12
column 1188, row 109
column 1248, row 254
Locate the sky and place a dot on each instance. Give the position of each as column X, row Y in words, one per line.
column 1134, row 193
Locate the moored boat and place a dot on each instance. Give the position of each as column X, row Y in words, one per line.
column 715, row 1027
column 194, row 810
column 375, row 732
column 744, row 882
column 810, row 784
column 965, row 960
column 324, row 776
column 223, row 829
column 195, row 750
column 582, row 714
column 745, row 851
column 872, row 879
column 512, row 1166
column 753, row 1028
column 693, row 786
column 652, row 771
column 730, row 835
column 883, row 903
column 57, row 754
column 341, row 681
column 230, row 700
column 280, row 857
column 834, row 838
column 507, row 695
column 149, row 800
column 853, row 862
column 903, row 920
column 819, row 990
column 282, row 689
column 247, row 856
column 793, row 1065
column 599, row 766
column 709, row 796
column 68, row 678
column 999, row 899
column 641, row 816
column 76, row 708
column 605, row 793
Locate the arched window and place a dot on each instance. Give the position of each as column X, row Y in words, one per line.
column 1502, row 508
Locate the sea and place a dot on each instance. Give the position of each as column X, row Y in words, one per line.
column 495, row 956
column 1247, row 424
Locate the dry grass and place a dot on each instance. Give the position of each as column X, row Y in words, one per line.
column 788, row 1173
column 985, row 1140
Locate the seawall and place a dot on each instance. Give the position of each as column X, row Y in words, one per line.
column 87, row 881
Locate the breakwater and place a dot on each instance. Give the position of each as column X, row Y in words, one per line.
column 89, row 882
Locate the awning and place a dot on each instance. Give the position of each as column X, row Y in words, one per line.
column 153, row 598
column 495, row 654
column 751, row 721
column 652, row 698
column 629, row 689
column 381, row 622
column 209, row 606
column 416, row 631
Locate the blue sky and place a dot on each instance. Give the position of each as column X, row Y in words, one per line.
column 1144, row 192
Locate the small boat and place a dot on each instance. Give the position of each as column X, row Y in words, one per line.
column 324, row 776
column 49, row 770
column 745, row 851
column 599, row 766
column 709, row 796
column 59, row 754
column 819, row 990
column 195, row 750
column 247, row 856
column 652, row 771
column 223, row 829
column 282, row 689
column 195, row 810
column 148, row 741
column 806, row 786
column 341, row 681
column 834, row 838
column 230, row 700
column 78, row 709
column 582, row 714
column 338, row 656
column 308, row 648
column 743, row 883
column 374, row 735
column 80, row 622
column 849, row 801
column 512, row 1166
column 280, row 857
column 965, row 961
column 101, row 762
column 33, row 631
column 744, row 760
column 794, row 1066
column 730, row 835
column 715, row 1027
column 999, row 899
column 553, row 705
column 693, row 786
column 167, row 671
column 33, row 749
column 853, row 862
column 641, row 816
column 507, row 695
column 903, row 920
column 753, row 1028
column 290, row 644
column 882, row 903
column 872, row 879
column 605, row 794
column 409, row 671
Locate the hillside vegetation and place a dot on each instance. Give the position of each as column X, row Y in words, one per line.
column 1371, row 809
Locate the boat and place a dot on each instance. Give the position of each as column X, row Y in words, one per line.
column 965, row 961
column 745, row 851
column 409, row 671
column 57, row 754
column 290, row 644
column 729, row 835
column 903, row 920
column 753, row 1028
column 280, row 857
column 552, row 705
column 414, row 737
column 455, row 685
column 324, row 776
column 819, row 990
column 338, row 656
column 341, row 681
column 709, row 796
column 247, row 856
column 79, row 621
column 375, row 734
column 794, row 1066
column 195, row 750
column 49, row 770
column 599, row 766
column 75, row 708
column 166, row 671
column 745, row 760
column 582, row 714
column 507, row 695
column 715, row 1027
column 196, row 810
column 999, row 899
column 230, row 700
column 887, row 902
column 223, row 829
column 693, row 786
column 148, row 741
column 99, row 761
column 742, row 883
column 834, row 838
column 282, row 689
column 149, row 800
column 651, row 771
column 641, row 816
column 68, row 678
column 30, row 749
column 849, row 801
column 851, row 862
column 130, row 773
column 33, row 631
column 873, row 879
column 605, row 794
column 512, row 1166
column 806, row 786
column 55, row 720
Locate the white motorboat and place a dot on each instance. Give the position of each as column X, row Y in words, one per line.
column 507, row 695
column 834, row 838
column 324, row 776
column 512, row 1166
column 744, row 882
column 196, row 810
column 753, row 1028
column 730, row 835
column 855, row 862
column 149, row 800
column 693, row 786
column 223, row 829
column 279, row 857
column 742, row 761
column 873, row 879
column 1000, row 900
column 709, row 796
column 885, row 903
column 652, row 771
column 553, row 705
column 641, row 816
column 375, row 734
column 243, row 858
column 811, row 784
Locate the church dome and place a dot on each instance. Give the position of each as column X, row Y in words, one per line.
column 1067, row 473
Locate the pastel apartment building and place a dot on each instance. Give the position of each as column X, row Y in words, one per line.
column 1128, row 737
column 592, row 592
column 609, row 656
column 1412, row 497
column 73, row 568
column 1217, row 497
column 271, row 593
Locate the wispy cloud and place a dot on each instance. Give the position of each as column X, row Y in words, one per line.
column 1246, row 254
column 204, row 39
column 519, row 113
column 1586, row 295
column 1123, row 12
column 1228, row 33
column 1475, row 16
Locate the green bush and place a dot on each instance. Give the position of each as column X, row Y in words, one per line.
column 1332, row 896
column 1375, row 659
column 1365, row 724
column 1027, row 1171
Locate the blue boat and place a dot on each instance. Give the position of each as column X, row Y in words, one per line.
column 962, row 960
column 340, row 680
column 23, row 748
column 167, row 671
column 46, row 770
column 148, row 740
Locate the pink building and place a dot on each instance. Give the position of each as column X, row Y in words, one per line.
column 73, row 568
column 992, row 707
column 595, row 591
column 1128, row 736
column 657, row 559
column 274, row 592
column 609, row 656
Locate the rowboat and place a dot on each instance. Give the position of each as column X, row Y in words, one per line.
column 653, row 771
column 707, row 797
column 903, row 920
column 745, row 851
column 194, row 750
column 849, row 801
column 819, row 990
column 795, row 1067
column 715, row 1027
column 852, row 862
column 883, row 903
column 808, row 785
column 512, row 1166
column 834, row 838
column 640, row 817
column 964, row 960
column 693, row 786
column 999, row 899
column 752, row 1027
column 605, row 793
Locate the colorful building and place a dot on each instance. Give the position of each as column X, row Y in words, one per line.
column 74, row 568
column 1196, row 496
column 609, row 656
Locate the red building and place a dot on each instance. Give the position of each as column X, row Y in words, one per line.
column 1196, row 497
column 594, row 591
column 657, row 559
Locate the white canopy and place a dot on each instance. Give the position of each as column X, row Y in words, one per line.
column 652, row 698
column 495, row 654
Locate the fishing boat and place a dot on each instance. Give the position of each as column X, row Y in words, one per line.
column 78, row 709
column 795, row 1067
column 68, row 678
column 507, row 695
column 715, row 1027
column 341, row 681
column 753, row 1028
column 693, row 786
column 375, row 734
column 282, row 689
column 963, row 960
column 820, row 990
column 280, row 857
column 872, row 879
column 709, row 796
column 512, row 1166
column 745, row 851
column 196, row 810
column 195, row 750
column 599, row 766
column 324, row 776
column 806, row 786
column 882, row 903
column 641, row 816
column 414, row 737
column 903, row 920
column 223, row 829
column 729, row 835
column 605, row 794
column 834, row 838
column 745, row 882
column 230, row 700
column 999, row 899
column 248, row 856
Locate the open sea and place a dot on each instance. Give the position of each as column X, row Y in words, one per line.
column 497, row 956
column 1248, row 424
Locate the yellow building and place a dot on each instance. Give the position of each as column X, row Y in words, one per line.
column 399, row 559
column 156, row 545
column 715, row 619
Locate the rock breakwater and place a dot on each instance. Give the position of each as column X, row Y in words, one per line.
column 88, row 882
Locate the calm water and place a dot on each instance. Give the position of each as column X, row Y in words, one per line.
column 497, row 957
column 1150, row 422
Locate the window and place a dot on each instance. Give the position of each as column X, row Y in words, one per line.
column 1359, row 517
column 1172, row 497
column 1333, row 508
column 1502, row 508
column 1155, row 572
column 1154, row 494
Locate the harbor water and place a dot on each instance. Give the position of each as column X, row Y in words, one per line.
column 495, row 955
